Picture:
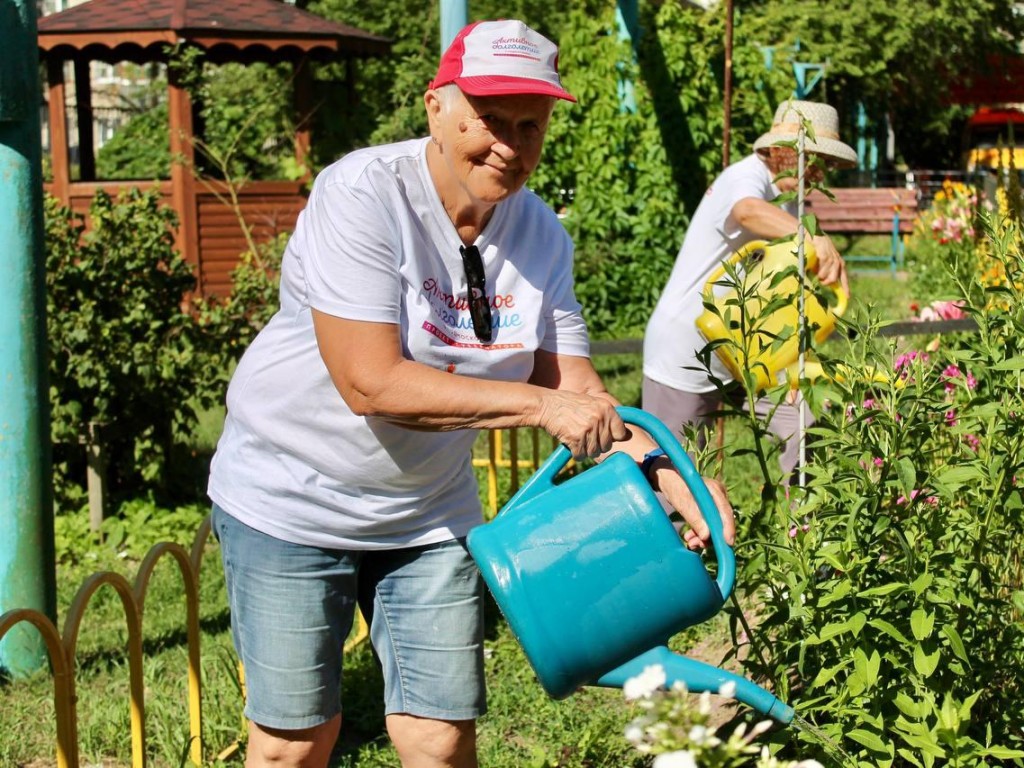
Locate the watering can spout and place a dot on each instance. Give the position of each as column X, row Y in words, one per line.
column 699, row 677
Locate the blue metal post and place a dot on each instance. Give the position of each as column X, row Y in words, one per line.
column 27, row 578
column 862, row 130
column 454, row 16
column 627, row 18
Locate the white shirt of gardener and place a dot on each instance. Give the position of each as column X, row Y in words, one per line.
column 374, row 244
column 671, row 340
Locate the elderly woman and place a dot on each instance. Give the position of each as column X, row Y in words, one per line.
column 737, row 208
column 425, row 294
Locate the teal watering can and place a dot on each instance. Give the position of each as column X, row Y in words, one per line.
column 593, row 578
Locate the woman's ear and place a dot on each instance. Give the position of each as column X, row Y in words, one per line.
column 432, row 103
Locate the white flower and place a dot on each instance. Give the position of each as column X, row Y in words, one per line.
column 761, row 727
column 634, row 733
column 698, row 734
column 681, row 759
column 704, row 704
column 728, row 690
column 645, row 684
column 808, row 764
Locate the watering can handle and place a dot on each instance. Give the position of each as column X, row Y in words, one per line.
column 543, row 479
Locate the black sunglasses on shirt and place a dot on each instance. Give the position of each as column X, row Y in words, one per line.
column 479, row 306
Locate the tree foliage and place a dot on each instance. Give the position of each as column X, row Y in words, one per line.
column 894, row 56
column 139, row 150
column 243, row 113
column 628, row 180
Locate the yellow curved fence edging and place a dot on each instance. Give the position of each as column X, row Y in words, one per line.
column 62, row 646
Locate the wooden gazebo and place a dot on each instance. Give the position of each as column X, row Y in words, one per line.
column 142, row 31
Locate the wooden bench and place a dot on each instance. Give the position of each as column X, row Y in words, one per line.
column 867, row 211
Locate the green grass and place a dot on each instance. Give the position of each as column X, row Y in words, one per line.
column 523, row 728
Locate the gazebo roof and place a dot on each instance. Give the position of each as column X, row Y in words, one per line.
column 139, row 30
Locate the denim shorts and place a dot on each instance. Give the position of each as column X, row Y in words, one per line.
column 292, row 607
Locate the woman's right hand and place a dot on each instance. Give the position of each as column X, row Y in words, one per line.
column 831, row 267
column 585, row 424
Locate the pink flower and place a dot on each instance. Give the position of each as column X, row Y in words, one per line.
column 942, row 310
column 933, row 500
column 904, row 361
column 795, row 530
column 951, row 419
column 949, row 310
column 950, row 373
column 973, row 442
column 878, row 462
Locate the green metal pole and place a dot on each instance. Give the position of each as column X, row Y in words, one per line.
column 27, row 576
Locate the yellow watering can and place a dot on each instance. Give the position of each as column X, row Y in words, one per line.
column 756, row 317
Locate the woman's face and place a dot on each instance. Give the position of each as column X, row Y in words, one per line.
column 490, row 144
column 783, row 160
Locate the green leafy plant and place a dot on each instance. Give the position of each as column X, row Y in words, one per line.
column 228, row 324
column 888, row 591
column 123, row 355
column 946, row 247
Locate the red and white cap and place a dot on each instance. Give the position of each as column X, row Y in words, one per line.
column 501, row 58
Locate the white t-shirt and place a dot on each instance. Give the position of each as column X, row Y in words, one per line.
column 671, row 340
column 375, row 244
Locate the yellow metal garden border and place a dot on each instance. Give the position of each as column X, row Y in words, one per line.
column 496, row 461
column 62, row 646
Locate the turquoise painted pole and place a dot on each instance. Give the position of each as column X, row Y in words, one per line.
column 454, row 16
column 27, row 577
column 627, row 19
column 862, row 130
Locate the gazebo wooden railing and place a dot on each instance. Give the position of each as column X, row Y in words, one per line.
column 269, row 208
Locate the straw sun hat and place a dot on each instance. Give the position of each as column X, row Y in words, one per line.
column 823, row 119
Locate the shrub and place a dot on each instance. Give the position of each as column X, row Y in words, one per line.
column 229, row 324
column 889, row 591
column 123, row 356
column 945, row 249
